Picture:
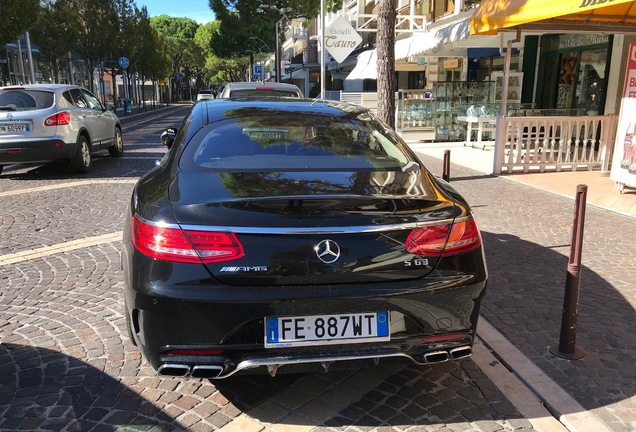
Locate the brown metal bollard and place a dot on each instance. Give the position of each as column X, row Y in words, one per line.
column 446, row 166
column 567, row 341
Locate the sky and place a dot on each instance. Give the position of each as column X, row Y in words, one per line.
column 198, row 10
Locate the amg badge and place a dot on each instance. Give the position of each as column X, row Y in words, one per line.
column 244, row 269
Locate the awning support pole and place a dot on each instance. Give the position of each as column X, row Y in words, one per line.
column 500, row 133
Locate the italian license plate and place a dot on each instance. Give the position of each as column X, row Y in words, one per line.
column 283, row 332
column 8, row 128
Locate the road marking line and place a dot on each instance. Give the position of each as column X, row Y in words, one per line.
column 570, row 413
column 59, row 248
column 66, row 185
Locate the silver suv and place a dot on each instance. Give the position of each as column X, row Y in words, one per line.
column 41, row 123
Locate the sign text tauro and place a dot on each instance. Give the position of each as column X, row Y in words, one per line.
column 336, row 38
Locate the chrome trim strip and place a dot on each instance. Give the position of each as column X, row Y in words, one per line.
column 304, row 230
column 281, row 361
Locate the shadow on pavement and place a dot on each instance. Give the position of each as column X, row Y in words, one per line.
column 525, row 302
column 48, row 390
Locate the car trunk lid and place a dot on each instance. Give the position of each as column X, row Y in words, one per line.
column 313, row 232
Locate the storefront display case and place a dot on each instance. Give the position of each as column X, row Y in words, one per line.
column 454, row 98
column 432, row 115
column 415, row 115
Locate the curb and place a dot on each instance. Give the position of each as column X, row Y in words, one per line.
column 562, row 406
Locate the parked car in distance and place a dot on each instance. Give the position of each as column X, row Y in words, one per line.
column 42, row 123
column 204, row 95
column 291, row 235
column 256, row 89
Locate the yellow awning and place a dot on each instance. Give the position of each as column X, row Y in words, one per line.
column 492, row 15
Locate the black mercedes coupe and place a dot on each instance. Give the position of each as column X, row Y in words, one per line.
column 292, row 235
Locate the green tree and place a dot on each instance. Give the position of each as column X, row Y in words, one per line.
column 18, row 17
column 56, row 33
column 178, row 34
column 217, row 70
column 240, row 19
column 100, row 25
column 152, row 58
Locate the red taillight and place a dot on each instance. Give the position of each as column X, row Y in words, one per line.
column 265, row 88
column 444, row 338
column 444, row 240
column 174, row 244
column 59, row 119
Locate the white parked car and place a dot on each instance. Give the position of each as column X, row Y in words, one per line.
column 205, row 95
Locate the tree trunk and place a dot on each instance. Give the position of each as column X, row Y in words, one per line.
column 386, row 61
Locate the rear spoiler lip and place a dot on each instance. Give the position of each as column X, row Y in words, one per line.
column 308, row 230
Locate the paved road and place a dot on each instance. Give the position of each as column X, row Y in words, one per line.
column 67, row 364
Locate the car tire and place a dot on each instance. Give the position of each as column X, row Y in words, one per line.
column 117, row 149
column 1, row 169
column 82, row 162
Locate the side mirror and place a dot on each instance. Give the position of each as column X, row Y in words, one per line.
column 167, row 137
column 110, row 107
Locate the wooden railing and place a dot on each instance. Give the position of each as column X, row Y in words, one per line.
column 540, row 144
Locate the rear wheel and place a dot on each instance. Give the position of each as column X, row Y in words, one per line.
column 117, row 149
column 82, row 161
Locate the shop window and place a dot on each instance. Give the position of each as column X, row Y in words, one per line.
column 591, row 82
column 442, row 7
column 572, row 79
column 417, row 80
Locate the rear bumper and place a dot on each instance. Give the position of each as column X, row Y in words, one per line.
column 36, row 151
column 167, row 316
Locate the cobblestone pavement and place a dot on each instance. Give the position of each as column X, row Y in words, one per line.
column 527, row 234
column 67, row 364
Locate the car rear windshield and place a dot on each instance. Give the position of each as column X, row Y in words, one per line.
column 262, row 92
column 24, row 100
column 296, row 141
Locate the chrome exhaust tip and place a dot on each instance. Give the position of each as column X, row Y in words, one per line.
column 206, row 371
column 461, row 352
column 436, row 357
column 174, row 370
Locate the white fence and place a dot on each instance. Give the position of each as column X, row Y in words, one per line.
column 540, row 144
column 366, row 99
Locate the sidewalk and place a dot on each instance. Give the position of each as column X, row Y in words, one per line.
column 526, row 222
column 601, row 190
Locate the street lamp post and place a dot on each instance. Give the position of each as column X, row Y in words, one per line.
column 260, row 55
column 284, row 17
column 249, row 73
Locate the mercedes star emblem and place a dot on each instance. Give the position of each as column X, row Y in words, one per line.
column 328, row 251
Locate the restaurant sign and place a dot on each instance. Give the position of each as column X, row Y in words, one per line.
column 341, row 39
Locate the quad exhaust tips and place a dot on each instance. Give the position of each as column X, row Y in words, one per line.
column 212, row 371
column 183, row 370
column 453, row 354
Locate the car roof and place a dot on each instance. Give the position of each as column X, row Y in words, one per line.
column 220, row 109
column 249, row 85
column 49, row 87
